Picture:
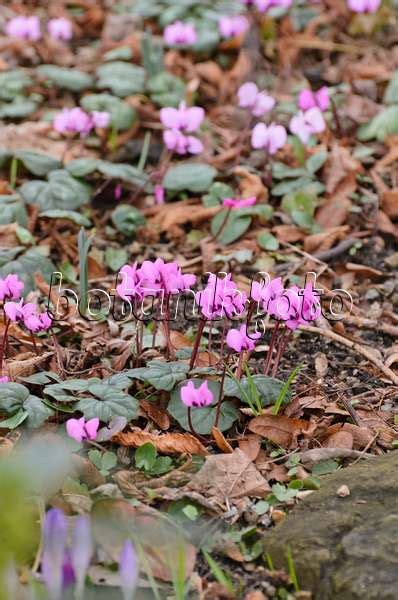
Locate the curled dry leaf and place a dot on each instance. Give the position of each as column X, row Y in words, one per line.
column 229, row 476
column 156, row 413
column 250, row 184
column 341, row 439
column 251, row 446
column 221, row 442
column 26, row 364
column 166, row 443
column 281, row 430
column 179, row 213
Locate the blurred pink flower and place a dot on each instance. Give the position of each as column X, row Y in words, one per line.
column 118, row 191
column 231, row 26
column 11, row 287
column 73, row 120
column 182, row 144
column 264, row 5
column 238, row 340
column 81, row 430
column 4, row 379
column 305, row 124
column 159, row 194
column 182, row 118
column 60, row 29
column 236, row 203
column 270, row 138
column 308, row 99
column 180, row 34
column 259, row 103
column 364, row 6
column 27, row 28
column 100, row 119
column 196, row 397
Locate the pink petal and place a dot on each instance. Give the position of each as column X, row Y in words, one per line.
column 91, row 427
column 322, row 98
column 314, row 118
column 195, row 146
column 170, row 118
column 260, row 136
column 234, row 340
column 247, row 94
column 193, row 118
column 75, row 429
column 263, row 104
column 306, row 100
column 277, row 138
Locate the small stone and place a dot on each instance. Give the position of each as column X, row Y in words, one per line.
column 343, row 491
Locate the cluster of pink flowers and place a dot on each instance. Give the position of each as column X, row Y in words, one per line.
column 28, row 28
column 238, row 339
column 180, row 34
column 270, row 138
column 232, row 26
column 76, row 120
column 153, row 277
column 308, row 123
column 221, row 298
column 293, row 306
column 364, row 6
column 308, row 99
column 196, row 397
column 16, row 310
column 178, row 123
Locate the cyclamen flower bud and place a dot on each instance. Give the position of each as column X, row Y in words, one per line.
column 128, row 570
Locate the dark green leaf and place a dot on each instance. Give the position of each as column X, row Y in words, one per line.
column 268, row 388
column 161, row 375
column 68, row 79
column 194, row 177
column 124, row 79
column 127, row 219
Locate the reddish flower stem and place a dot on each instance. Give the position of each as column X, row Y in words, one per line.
column 3, row 343
column 220, row 397
column 286, row 337
column 268, row 360
column 201, row 327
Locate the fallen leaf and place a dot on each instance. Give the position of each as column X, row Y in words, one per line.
column 166, row 443
column 250, row 184
column 336, row 208
column 221, row 442
column 156, row 413
column 339, row 165
column 341, row 439
column 251, row 446
column 389, row 203
column 229, row 476
column 8, row 235
column 27, row 364
column 279, row 429
column 179, row 213
column 321, row 364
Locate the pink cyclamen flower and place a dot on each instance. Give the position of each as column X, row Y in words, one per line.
column 73, row 120
column 270, row 138
column 231, row 26
column 259, row 103
column 180, row 34
column 308, row 99
column 26, row 28
column 221, row 298
column 4, row 379
column 236, row 203
column 308, row 123
column 364, row 6
column 60, row 29
column 81, row 430
column 196, row 397
column 11, row 287
column 100, row 119
column 182, row 118
column 118, row 191
column 128, row 570
column 28, row 315
column 182, row 144
column 239, row 340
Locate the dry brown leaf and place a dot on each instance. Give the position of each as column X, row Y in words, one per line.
column 390, row 203
column 321, row 364
column 279, row 429
column 8, row 235
column 339, row 165
column 27, row 364
column 336, row 208
column 221, row 442
column 179, row 213
column 251, row 446
column 251, row 185
column 166, row 443
column 229, row 476
column 385, row 224
column 319, row 242
column 364, row 270
column 156, row 413
column 341, row 439
column 32, row 136
column 288, row 233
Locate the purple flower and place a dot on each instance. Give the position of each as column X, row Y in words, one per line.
column 182, row 144
column 364, row 6
column 53, row 557
column 308, row 99
column 4, row 379
column 100, row 119
column 81, row 430
column 305, row 124
column 60, row 29
column 26, row 28
column 81, row 551
column 11, row 287
column 159, row 194
column 259, row 103
column 73, row 120
column 128, row 570
column 238, row 340
column 180, row 34
column 270, row 138
column 237, row 203
column 196, row 397
column 264, row 5
column 231, row 26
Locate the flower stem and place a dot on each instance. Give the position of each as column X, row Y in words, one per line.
column 223, row 224
column 220, row 397
column 286, row 337
column 201, row 327
column 3, row 343
column 268, row 360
